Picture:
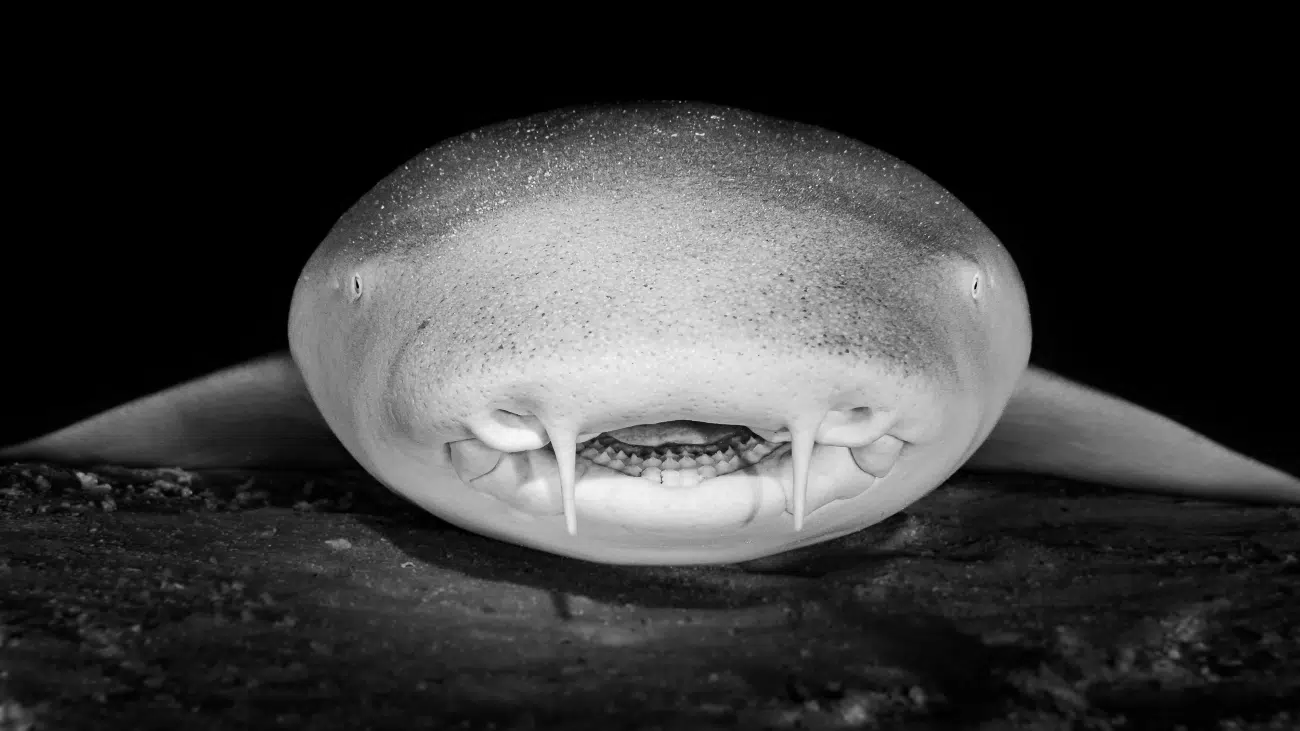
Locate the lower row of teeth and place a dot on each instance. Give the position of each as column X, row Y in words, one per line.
column 686, row 467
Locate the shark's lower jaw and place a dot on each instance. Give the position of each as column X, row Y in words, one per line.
column 674, row 488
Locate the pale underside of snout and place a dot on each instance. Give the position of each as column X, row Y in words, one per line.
column 716, row 458
column 679, row 492
column 737, row 502
column 678, row 483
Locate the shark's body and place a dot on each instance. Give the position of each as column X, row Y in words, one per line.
column 661, row 333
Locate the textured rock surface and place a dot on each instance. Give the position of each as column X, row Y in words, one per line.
column 166, row 599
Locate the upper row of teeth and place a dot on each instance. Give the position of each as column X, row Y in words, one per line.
column 685, row 466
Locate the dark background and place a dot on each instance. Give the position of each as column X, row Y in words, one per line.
column 164, row 211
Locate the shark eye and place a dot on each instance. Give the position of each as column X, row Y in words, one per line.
column 354, row 290
column 975, row 286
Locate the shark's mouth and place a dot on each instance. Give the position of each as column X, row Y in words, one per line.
column 676, row 476
column 679, row 453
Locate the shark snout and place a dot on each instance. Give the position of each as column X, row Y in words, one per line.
column 734, row 454
column 667, row 434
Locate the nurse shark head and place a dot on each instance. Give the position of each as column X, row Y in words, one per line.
column 672, row 331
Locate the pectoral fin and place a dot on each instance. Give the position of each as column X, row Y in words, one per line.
column 255, row 414
column 1056, row 426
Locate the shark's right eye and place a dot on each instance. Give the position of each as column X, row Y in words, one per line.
column 354, row 290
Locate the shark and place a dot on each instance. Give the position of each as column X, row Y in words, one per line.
column 660, row 333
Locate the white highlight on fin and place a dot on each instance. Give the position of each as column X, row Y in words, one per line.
column 803, row 437
column 564, row 443
column 1056, row 426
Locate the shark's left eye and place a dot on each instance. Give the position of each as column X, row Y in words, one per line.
column 975, row 286
column 355, row 289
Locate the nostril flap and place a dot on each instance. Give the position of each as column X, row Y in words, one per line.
column 510, row 432
column 859, row 427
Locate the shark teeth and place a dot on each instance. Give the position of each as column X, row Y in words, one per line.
column 677, row 464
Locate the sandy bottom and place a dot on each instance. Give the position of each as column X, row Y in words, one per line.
column 141, row 599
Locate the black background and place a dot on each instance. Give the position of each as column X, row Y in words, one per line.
column 164, row 209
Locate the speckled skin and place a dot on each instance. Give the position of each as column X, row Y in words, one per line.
column 600, row 267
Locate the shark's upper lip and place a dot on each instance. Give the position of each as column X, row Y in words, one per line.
column 674, row 432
